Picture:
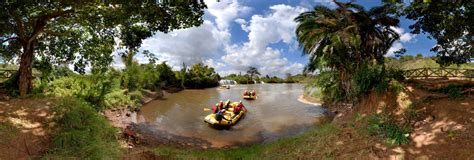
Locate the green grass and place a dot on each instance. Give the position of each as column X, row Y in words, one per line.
column 384, row 126
column 424, row 63
column 81, row 133
column 316, row 143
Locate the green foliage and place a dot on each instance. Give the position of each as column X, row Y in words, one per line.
column 83, row 32
column 167, row 76
column 385, row 127
column 241, row 79
column 99, row 91
column 252, row 72
column 274, row 79
column 11, row 85
column 452, row 90
column 201, row 76
column 367, row 77
column 450, row 24
column 346, row 40
column 427, row 62
column 397, row 87
column 80, row 132
column 328, row 83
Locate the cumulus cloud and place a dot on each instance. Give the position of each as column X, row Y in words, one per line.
column 405, row 37
column 263, row 30
column 192, row 45
column 226, row 11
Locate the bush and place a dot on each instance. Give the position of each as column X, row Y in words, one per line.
column 366, row 78
column 80, row 132
column 397, row 87
column 11, row 85
column 452, row 90
column 99, row 91
column 327, row 82
column 385, row 127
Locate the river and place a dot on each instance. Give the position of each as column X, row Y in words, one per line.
column 178, row 118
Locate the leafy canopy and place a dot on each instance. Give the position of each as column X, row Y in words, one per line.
column 450, row 23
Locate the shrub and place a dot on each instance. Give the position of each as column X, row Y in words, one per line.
column 119, row 98
column 99, row 91
column 80, row 132
column 366, row 78
column 397, row 87
column 327, row 82
column 385, row 127
column 452, row 90
column 11, row 85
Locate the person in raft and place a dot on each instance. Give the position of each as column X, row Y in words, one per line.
column 253, row 93
column 220, row 115
column 246, row 93
column 227, row 104
column 218, row 107
column 238, row 109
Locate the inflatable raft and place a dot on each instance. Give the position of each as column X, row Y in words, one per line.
column 211, row 118
column 249, row 97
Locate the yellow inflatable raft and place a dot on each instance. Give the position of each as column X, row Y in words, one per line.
column 249, row 97
column 211, row 118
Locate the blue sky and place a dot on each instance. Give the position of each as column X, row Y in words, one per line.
column 237, row 34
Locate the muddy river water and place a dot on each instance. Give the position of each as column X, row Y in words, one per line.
column 178, row 117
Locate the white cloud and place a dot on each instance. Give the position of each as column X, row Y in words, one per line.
column 243, row 24
column 395, row 47
column 226, row 11
column 192, row 45
column 263, row 30
column 215, row 65
column 404, row 36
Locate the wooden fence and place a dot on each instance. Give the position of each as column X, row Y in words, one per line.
column 6, row 73
column 439, row 73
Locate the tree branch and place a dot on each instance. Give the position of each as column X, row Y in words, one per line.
column 42, row 21
column 19, row 24
column 8, row 39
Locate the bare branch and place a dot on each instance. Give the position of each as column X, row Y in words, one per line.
column 8, row 39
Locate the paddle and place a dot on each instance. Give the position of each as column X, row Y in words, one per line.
column 206, row 109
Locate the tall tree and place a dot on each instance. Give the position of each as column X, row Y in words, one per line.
column 344, row 38
column 450, row 23
column 83, row 31
column 252, row 72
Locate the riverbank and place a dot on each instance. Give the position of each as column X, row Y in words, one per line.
column 440, row 127
column 123, row 116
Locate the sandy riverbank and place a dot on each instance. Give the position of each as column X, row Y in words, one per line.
column 309, row 100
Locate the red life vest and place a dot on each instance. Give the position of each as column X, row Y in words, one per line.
column 238, row 108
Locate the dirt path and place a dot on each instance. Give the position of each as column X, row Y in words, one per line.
column 23, row 127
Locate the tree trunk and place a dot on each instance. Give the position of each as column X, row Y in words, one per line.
column 25, row 71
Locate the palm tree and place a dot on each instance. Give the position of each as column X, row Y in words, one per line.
column 344, row 38
column 252, row 72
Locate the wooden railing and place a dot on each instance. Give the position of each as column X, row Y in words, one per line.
column 439, row 73
column 6, row 73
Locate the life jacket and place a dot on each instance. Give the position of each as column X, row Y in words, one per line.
column 217, row 107
column 238, row 108
column 219, row 115
column 214, row 109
